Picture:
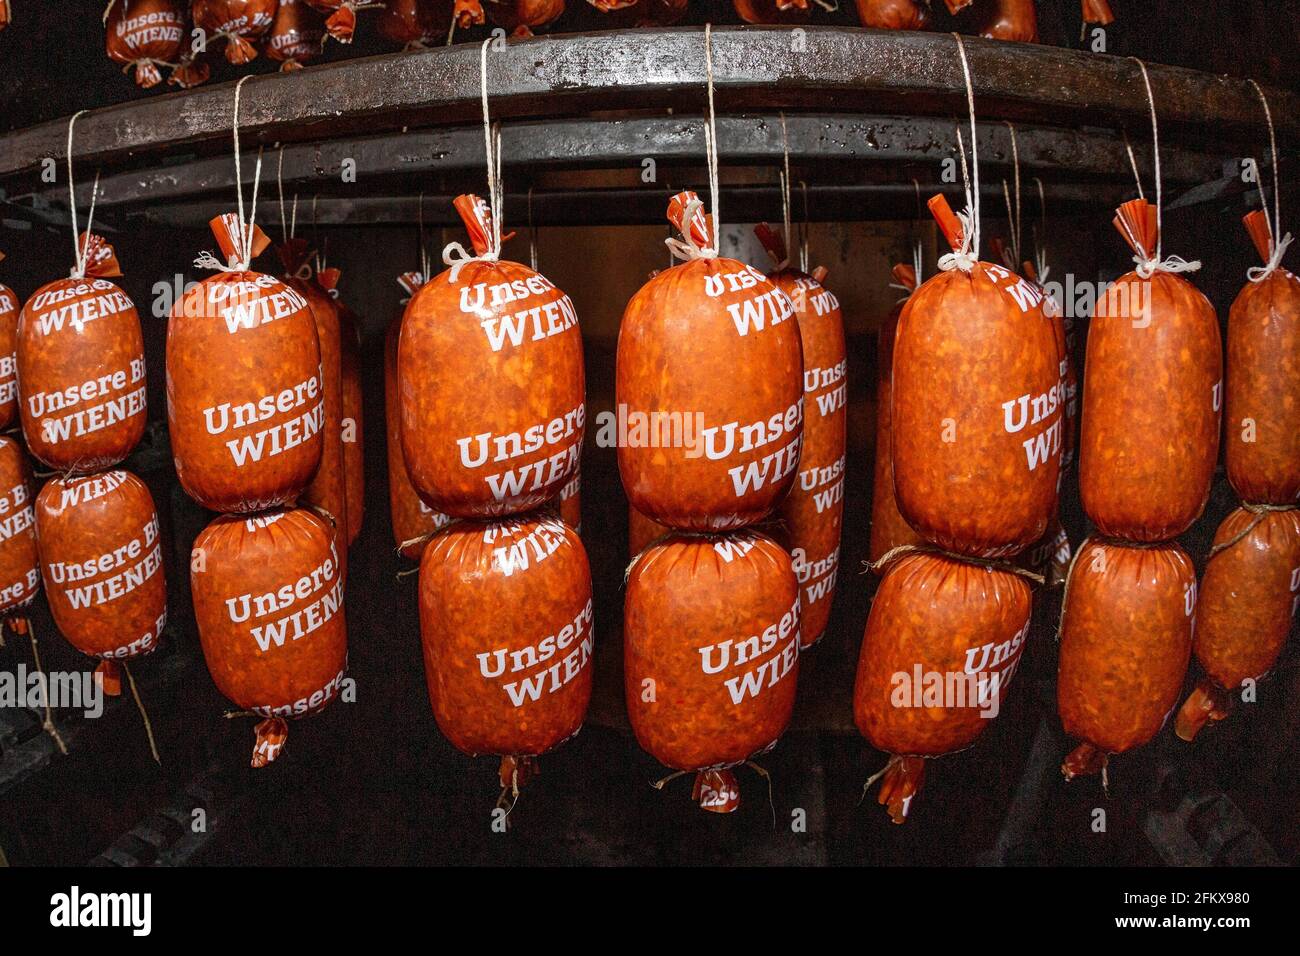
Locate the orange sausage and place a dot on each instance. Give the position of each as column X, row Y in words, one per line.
column 342, row 20
column 245, row 406
column 415, row 24
column 812, row 514
column 709, row 376
column 143, row 34
column 81, row 370
column 268, row 599
column 1126, row 637
column 976, row 416
column 888, row 528
column 641, row 13
column 102, row 563
column 354, row 455
column 20, row 574
column 1098, row 11
column 297, row 35
column 242, row 22
column 490, row 372
column 506, row 626
column 943, row 640
column 641, row 531
column 773, row 11
column 711, row 654
column 893, row 14
column 1263, row 386
column 1247, row 601
column 1151, row 399
column 521, row 17
column 1010, row 20
column 8, row 356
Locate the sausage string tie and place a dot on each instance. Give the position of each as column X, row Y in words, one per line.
column 48, row 725
column 965, row 256
column 1278, row 240
column 239, row 259
column 454, row 254
column 80, row 243
column 1148, row 264
column 1040, row 243
column 687, row 248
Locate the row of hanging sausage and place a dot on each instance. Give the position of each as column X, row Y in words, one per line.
column 149, row 35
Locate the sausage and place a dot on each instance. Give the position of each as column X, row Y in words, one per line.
column 297, row 35
column 268, row 599
column 468, row 13
column 413, row 520
column 642, row 531
column 1098, row 12
column 354, row 454
column 1010, row 20
column 893, row 14
column 641, row 13
column 812, row 514
column 888, row 528
column 1151, row 398
column 240, row 342
column 709, row 369
column 8, row 356
column 241, row 22
column 976, row 409
column 571, row 502
column 20, row 573
column 102, row 564
column 957, row 6
column 144, row 34
column 1263, row 385
column 1248, row 598
column 81, row 369
column 711, row 654
column 1126, row 637
column 943, row 641
column 522, row 17
column 513, row 440
column 506, row 626
column 415, row 24
column 342, row 20
column 773, row 11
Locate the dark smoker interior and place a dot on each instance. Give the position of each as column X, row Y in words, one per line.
column 374, row 782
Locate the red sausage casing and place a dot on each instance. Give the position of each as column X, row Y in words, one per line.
column 1263, row 390
column 81, row 371
column 241, row 22
column 893, row 14
column 711, row 648
column 415, row 24
column 1126, row 636
column 976, row 416
column 20, row 573
column 297, row 35
column 709, row 377
column 245, row 404
column 490, row 373
column 143, row 34
column 102, row 562
column 1010, row 20
column 8, row 356
column 506, row 625
column 1151, row 397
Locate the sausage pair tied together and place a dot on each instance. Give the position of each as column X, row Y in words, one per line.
column 145, row 34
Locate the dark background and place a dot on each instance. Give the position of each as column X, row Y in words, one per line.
column 375, row 783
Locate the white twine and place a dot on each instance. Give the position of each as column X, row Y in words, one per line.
column 454, row 254
column 1277, row 246
column 1147, row 267
column 803, row 232
column 965, row 257
column 785, row 195
column 1040, row 251
column 240, row 259
column 1015, row 165
column 686, row 248
column 287, row 227
column 80, row 249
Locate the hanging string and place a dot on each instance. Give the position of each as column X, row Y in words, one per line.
column 686, row 247
column 80, row 249
column 1040, row 241
column 244, row 255
column 532, row 232
column 1149, row 266
column 289, row 228
column 785, row 195
column 1015, row 166
column 1278, row 241
column 454, row 254
column 803, row 231
column 965, row 257
column 424, row 248
column 1132, row 161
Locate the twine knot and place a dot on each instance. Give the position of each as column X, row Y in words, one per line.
column 1260, row 273
column 1146, row 268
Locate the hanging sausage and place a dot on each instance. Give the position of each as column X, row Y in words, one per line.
column 513, row 441
column 1126, row 636
column 894, row 14
column 521, row 18
column 773, row 11
column 976, row 412
column 506, row 625
column 80, row 360
column 1010, row 20
column 8, row 354
column 709, row 369
column 268, row 599
column 1098, row 12
column 415, row 24
column 888, row 528
column 413, row 520
column 812, row 514
column 241, row 23
column 296, row 36
column 102, row 563
column 711, row 655
column 144, row 35
column 354, row 457
column 245, row 405
column 641, row 13
column 20, row 575
column 342, row 20
column 942, row 643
